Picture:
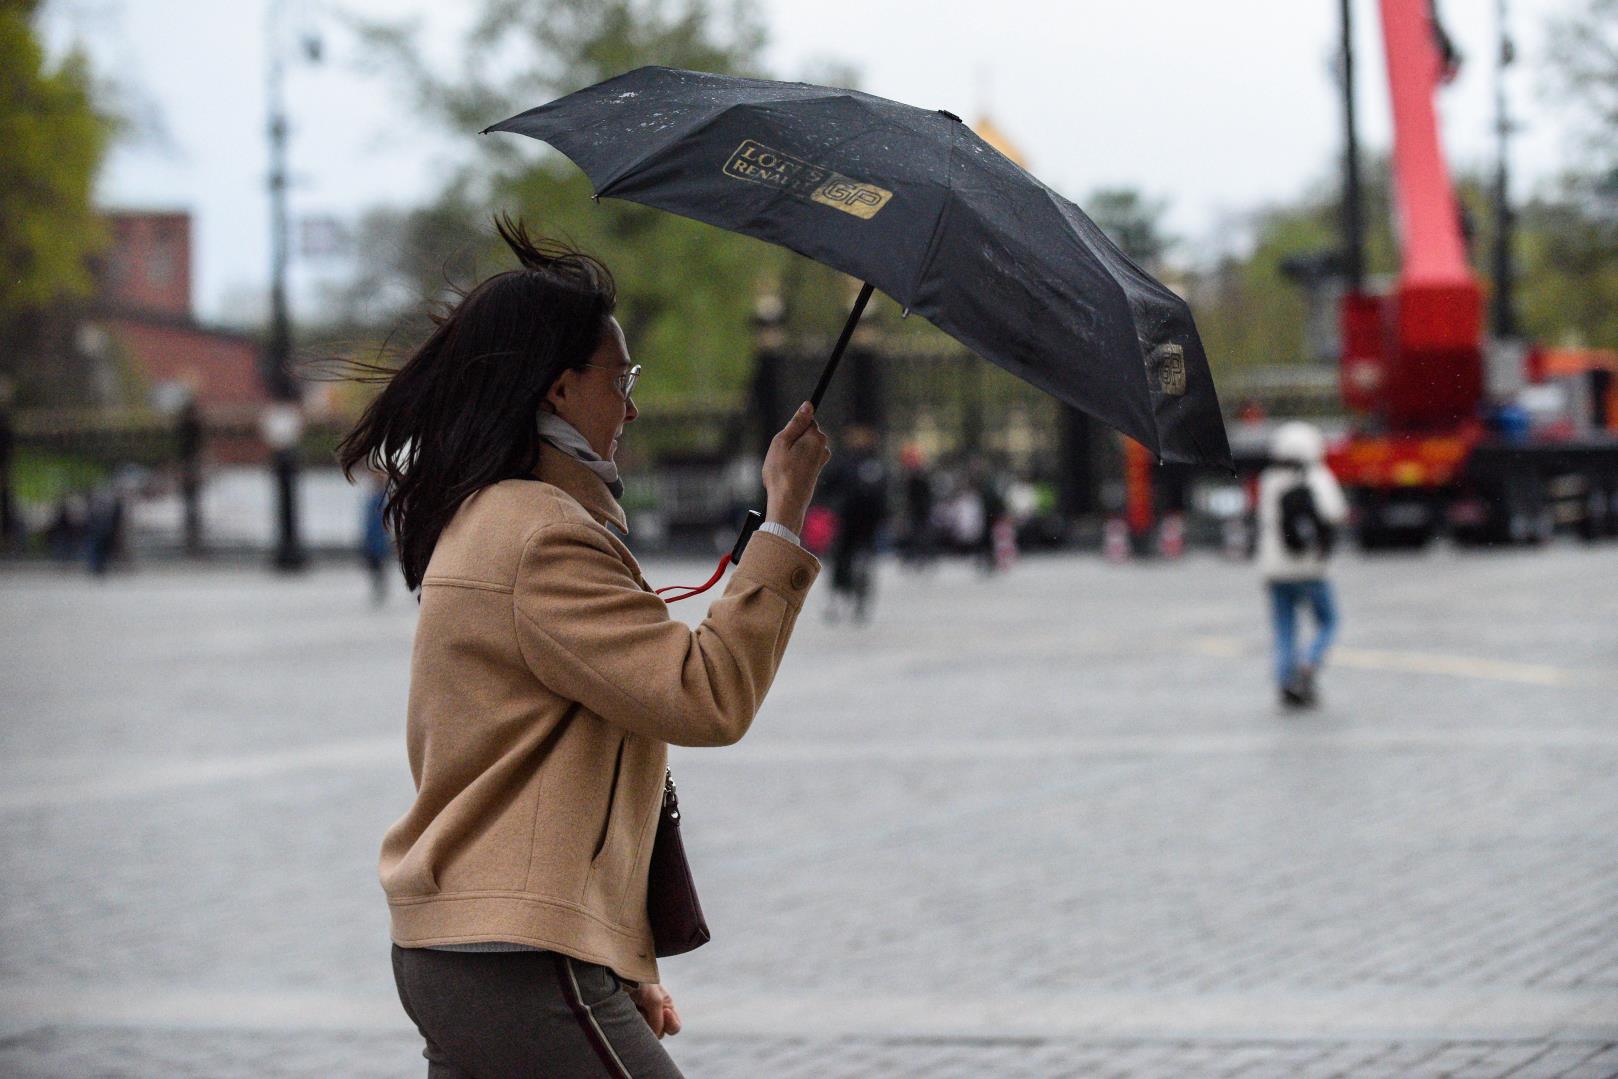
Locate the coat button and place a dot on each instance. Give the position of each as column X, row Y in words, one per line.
column 800, row 578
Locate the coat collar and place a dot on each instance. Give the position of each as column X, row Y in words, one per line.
column 586, row 488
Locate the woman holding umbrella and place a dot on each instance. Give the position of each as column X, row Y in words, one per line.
column 547, row 678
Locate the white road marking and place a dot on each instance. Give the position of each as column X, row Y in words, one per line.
column 1377, row 659
column 1494, row 670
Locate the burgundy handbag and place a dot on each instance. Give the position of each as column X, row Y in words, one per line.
column 671, row 894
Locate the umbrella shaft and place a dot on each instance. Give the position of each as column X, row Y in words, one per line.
column 842, row 343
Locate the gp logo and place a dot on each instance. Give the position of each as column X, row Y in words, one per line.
column 1165, row 370
column 756, row 163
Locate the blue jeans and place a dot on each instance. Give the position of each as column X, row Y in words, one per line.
column 1285, row 598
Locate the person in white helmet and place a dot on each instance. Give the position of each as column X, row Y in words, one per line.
column 1300, row 508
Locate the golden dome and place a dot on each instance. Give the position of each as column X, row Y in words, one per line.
column 989, row 133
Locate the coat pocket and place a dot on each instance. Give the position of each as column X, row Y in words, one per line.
column 612, row 804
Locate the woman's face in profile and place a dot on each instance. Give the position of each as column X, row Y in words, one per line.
column 589, row 398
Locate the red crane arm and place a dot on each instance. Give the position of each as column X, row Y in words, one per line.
column 1415, row 357
column 1429, row 216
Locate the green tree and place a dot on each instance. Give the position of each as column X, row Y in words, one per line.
column 1250, row 313
column 1568, row 235
column 1567, row 290
column 1583, row 68
column 546, row 48
column 52, row 138
column 1132, row 221
column 405, row 256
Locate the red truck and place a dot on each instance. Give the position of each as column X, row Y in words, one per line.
column 1489, row 440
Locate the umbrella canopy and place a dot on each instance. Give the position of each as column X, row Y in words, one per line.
column 912, row 202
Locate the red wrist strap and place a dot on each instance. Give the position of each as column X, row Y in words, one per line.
column 696, row 590
column 754, row 519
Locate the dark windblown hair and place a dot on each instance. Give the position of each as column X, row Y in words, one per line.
column 460, row 413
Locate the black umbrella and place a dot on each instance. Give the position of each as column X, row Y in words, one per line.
column 914, row 203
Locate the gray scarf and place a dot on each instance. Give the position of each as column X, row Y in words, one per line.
column 565, row 437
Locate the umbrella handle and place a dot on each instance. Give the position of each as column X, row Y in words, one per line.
column 842, row 343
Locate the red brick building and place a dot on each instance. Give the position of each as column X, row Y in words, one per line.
column 143, row 307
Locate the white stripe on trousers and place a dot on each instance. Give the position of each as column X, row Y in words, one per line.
column 588, row 1016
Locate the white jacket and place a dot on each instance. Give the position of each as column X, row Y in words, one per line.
column 1299, row 450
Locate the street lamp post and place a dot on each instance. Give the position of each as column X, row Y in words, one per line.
column 282, row 429
column 1504, row 273
column 283, row 422
column 769, row 345
column 1353, row 258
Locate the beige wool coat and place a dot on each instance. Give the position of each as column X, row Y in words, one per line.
column 547, row 681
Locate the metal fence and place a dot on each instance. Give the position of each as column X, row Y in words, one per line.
column 945, row 402
column 687, row 470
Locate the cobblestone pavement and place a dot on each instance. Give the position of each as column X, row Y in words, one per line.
column 1044, row 824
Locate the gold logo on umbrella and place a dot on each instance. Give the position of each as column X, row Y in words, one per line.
column 757, row 163
column 1165, row 370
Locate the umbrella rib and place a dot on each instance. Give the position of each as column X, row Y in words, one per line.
column 941, row 220
column 659, row 148
column 1056, row 201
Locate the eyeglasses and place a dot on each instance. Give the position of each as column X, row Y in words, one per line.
column 624, row 383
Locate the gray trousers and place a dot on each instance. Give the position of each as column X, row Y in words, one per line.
column 525, row 1015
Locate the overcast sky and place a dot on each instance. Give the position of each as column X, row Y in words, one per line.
column 1215, row 107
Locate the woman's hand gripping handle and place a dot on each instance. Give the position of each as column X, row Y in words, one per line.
column 792, row 468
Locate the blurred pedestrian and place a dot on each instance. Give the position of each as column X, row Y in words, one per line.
column 991, row 548
column 820, row 527
column 920, row 500
column 13, row 533
column 1300, row 508
column 960, row 514
column 857, row 490
column 66, row 534
column 104, row 527
column 547, row 678
column 376, row 546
